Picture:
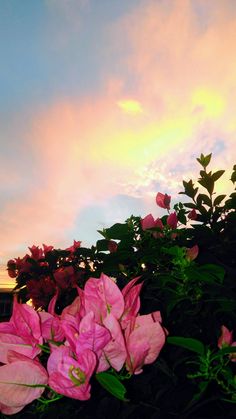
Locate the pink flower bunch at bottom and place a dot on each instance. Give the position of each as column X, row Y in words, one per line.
column 102, row 328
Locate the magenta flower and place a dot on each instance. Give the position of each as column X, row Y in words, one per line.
column 192, row 252
column 51, row 327
column 132, row 300
column 163, row 200
column 87, row 335
column 16, row 379
column 102, row 296
column 114, row 353
column 69, row 375
column 226, row 339
column 149, row 222
column 65, row 277
column 22, row 333
column 145, row 338
column 172, row 220
column 36, row 252
column 192, row 215
column 75, row 246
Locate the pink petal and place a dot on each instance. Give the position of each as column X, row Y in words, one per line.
column 15, row 343
column 147, row 222
column 102, row 296
column 114, row 353
column 14, row 378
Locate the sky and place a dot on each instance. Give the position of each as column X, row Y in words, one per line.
column 104, row 103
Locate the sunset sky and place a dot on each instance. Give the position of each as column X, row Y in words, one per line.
column 104, row 103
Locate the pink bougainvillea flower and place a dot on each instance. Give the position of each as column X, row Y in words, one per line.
column 114, row 353
column 192, row 252
column 75, row 246
column 40, row 291
column 16, row 381
column 145, row 338
column 192, row 215
column 22, row 333
column 112, row 246
column 47, row 249
column 163, row 200
column 90, row 335
column 102, row 296
column 65, row 277
column 225, row 340
column 51, row 327
column 148, row 222
column 132, row 300
column 172, row 220
column 226, row 337
column 36, row 252
column 70, row 376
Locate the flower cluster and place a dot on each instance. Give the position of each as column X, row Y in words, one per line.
column 101, row 329
column 42, row 280
column 163, row 201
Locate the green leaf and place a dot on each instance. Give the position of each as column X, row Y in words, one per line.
column 215, row 271
column 215, row 176
column 204, row 160
column 117, row 231
column 205, row 199
column 218, row 199
column 190, row 205
column 193, row 345
column 112, row 385
column 208, row 183
column 102, row 245
column 227, row 350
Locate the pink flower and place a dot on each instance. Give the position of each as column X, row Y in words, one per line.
column 149, row 222
column 65, row 277
column 192, row 215
column 112, row 246
column 75, row 246
column 16, row 379
column 51, row 327
column 163, row 200
column 36, row 252
column 225, row 340
column 172, row 220
column 114, row 353
column 102, row 296
column 22, row 333
column 40, row 291
column 226, row 337
column 145, row 338
column 132, row 300
column 47, row 249
column 69, row 375
column 86, row 335
column 192, row 252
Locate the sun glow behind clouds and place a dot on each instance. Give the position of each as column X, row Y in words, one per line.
column 210, row 101
column 130, row 106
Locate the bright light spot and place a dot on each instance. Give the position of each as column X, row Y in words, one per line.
column 212, row 103
column 130, row 106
